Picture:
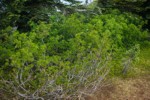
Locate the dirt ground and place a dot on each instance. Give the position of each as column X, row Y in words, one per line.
column 124, row 89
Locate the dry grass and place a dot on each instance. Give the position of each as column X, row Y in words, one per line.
column 134, row 87
column 124, row 89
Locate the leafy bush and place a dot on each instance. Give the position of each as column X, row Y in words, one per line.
column 66, row 57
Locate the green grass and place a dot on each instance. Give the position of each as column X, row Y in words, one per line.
column 144, row 61
column 142, row 66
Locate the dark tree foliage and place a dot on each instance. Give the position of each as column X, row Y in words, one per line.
column 146, row 11
column 18, row 13
column 140, row 7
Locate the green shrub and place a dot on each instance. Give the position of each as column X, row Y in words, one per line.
column 65, row 57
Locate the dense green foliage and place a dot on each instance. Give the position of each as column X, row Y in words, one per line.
column 47, row 51
column 57, row 59
column 17, row 13
column 140, row 7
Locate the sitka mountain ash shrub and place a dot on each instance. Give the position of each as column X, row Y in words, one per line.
column 67, row 57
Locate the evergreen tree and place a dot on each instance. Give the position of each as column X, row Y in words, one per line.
column 18, row 13
column 140, row 7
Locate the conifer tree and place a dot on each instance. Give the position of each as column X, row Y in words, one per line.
column 18, row 13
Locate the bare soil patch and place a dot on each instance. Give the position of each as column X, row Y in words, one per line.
column 125, row 89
